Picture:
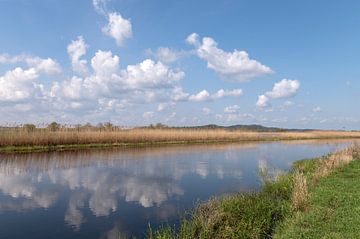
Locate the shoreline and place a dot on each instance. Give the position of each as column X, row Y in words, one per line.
column 75, row 147
column 291, row 205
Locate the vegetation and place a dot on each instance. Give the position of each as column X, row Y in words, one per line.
column 318, row 198
column 54, row 136
column 333, row 207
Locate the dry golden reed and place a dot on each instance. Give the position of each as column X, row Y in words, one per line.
column 300, row 194
column 67, row 136
column 329, row 163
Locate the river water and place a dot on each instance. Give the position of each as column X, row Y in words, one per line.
column 117, row 193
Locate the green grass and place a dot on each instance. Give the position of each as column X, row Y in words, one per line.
column 332, row 208
column 251, row 215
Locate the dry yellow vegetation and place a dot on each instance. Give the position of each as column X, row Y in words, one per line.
column 71, row 136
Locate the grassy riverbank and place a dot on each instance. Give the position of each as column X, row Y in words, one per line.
column 318, row 198
column 27, row 139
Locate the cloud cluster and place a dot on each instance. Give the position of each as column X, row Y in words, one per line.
column 236, row 65
column 147, row 81
column 21, row 84
column 281, row 90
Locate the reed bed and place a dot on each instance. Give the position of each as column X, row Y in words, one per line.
column 69, row 136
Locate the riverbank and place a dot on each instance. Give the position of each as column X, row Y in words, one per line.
column 318, row 198
column 43, row 140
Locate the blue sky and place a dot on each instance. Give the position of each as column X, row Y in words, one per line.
column 136, row 62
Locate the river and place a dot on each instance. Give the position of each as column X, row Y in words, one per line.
column 117, row 193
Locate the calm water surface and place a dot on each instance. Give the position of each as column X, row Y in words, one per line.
column 116, row 193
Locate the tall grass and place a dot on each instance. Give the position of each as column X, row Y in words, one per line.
column 258, row 214
column 27, row 136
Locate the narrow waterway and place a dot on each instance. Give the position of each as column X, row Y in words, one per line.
column 116, row 193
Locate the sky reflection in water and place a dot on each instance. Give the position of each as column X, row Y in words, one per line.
column 116, row 193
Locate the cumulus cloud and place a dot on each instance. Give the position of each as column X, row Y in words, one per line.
column 178, row 94
column 281, row 90
column 227, row 93
column 108, row 86
column 105, row 64
column 204, row 95
column 201, row 96
column 76, row 49
column 193, row 39
column 18, row 85
column 152, row 74
column 284, row 89
column 46, row 66
column 118, row 28
column 236, row 65
column 263, row 102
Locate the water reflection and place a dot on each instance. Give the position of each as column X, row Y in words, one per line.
column 115, row 193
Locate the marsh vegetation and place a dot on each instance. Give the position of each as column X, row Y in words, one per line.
column 54, row 136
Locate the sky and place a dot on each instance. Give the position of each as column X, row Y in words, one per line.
column 290, row 64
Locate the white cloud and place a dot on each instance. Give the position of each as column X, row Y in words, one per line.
column 152, row 74
column 168, row 55
column 47, row 66
column 178, row 94
column 226, row 93
column 145, row 82
column 105, row 64
column 193, row 39
column 284, row 89
column 232, row 109
column 118, row 28
column 263, row 102
column 201, row 96
column 204, row 95
column 18, row 85
column 76, row 49
column 41, row 65
column 316, row 109
column 236, row 65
